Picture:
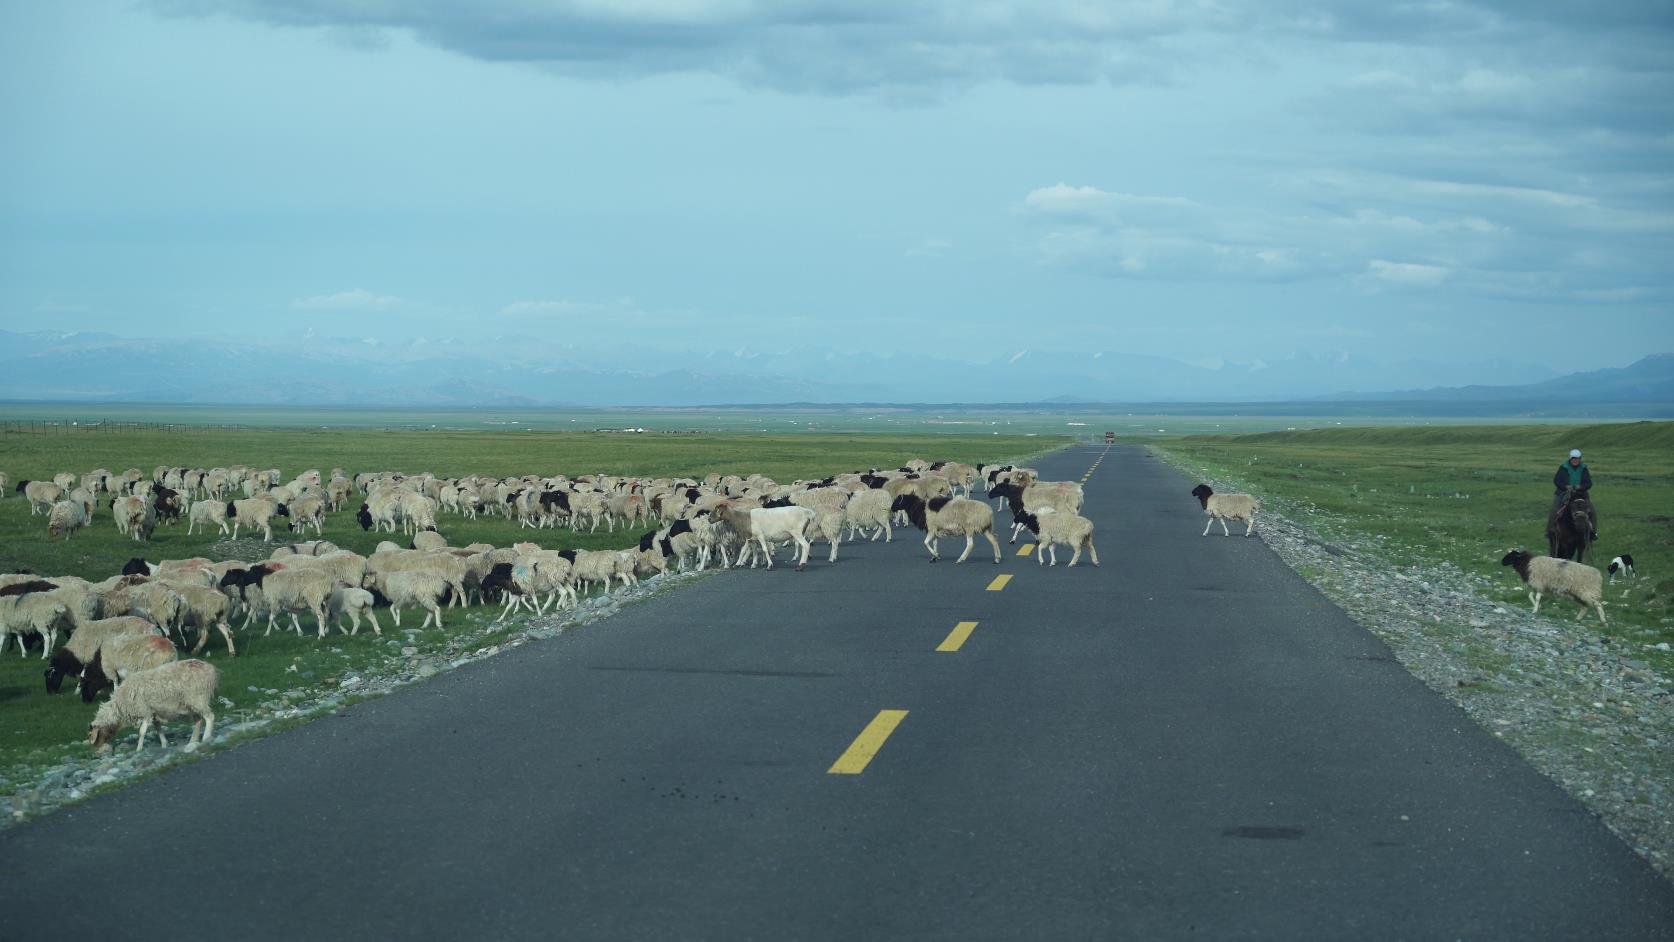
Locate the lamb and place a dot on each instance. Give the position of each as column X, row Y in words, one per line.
column 120, row 657
column 41, row 495
column 70, row 660
column 33, row 613
column 346, row 600
column 1052, row 528
column 949, row 516
column 1544, row 574
column 66, row 518
column 257, row 513
column 1224, row 507
column 424, row 589
column 173, row 690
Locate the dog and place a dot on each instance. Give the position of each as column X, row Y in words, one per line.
column 1622, row 564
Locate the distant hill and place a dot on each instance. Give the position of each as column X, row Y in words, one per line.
column 1649, row 380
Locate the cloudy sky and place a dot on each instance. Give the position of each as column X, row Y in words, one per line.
column 1204, row 180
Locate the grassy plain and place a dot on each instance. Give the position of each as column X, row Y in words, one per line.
column 1467, row 495
column 37, row 730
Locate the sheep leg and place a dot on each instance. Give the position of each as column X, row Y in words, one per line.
column 889, row 535
column 435, row 610
column 372, row 617
column 802, row 543
column 930, row 546
column 1249, row 525
column 1536, row 597
column 1076, row 556
column 1092, row 552
column 1224, row 530
column 145, row 727
column 994, row 543
column 1600, row 607
column 295, row 624
column 226, row 632
column 970, row 541
column 1206, row 526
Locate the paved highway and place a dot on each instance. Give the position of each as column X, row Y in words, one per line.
column 1187, row 742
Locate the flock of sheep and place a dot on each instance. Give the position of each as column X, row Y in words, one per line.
column 125, row 634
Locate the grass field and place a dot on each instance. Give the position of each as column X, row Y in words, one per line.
column 37, row 729
column 1467, row 495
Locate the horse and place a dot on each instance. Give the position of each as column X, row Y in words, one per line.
column 1570, row 530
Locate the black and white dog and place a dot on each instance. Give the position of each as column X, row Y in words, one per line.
column 1622, row 564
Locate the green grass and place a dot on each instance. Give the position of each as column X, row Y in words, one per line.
column 40, row 730
column 1467, row 495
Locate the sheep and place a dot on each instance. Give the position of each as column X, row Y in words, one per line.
column 949, row 516
column 66, row 518
column 72, row 658
column 204, row 608
column 451, row 568
column 134, row 516
column 1052, row 528
column 347, row 600
column 5, row 482
column 1544, row 574
column 120, row 657
column 291, row 590
column 308, row 511
column 418, row 512
column 1224, row 507
column 33, row 613
column 64, row 480
column 256, row 513
column 1037, row 496
column 206, row 514
column 869, row 509
column 769, row 524
column 41, row 495
column 180, row 688
column 289, row 551
column 424, row 589
column 828, row 524
column 601, row 566
column 429, row 540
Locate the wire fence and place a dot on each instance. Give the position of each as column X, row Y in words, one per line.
column 75, row 426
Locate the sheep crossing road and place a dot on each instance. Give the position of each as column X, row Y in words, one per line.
column 1185, row 742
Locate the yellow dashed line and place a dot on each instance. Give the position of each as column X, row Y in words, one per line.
column 957, row 636
column 854, row 760
column 1026, row 549
column 999, row 583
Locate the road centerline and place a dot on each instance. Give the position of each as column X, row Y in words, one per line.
column 956, row 638
column 999, row 582
column 854, row 759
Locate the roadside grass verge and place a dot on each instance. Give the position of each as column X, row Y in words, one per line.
column 1467, row 495
column 277, row 674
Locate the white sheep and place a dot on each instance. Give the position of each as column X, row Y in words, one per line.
column 1053, row 528
column 949, row 516
column 66, row 518
column 293, row 590
column 869, row 510
column 1544, row 574
column 424, row 589
column 180, row 688
column 206, row 514
column 33, row 613
column 1224, row 507
column 204, row 608
column 429, row 540
column 41, row 495
column 257, row 513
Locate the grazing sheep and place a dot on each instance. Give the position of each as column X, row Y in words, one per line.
column 1052, row 528
column 204, row 608
column 1544, row 574
column 949, row 516
column 1224, row 507
column 429, row 540
column 66, row 518
column 180, row 688
column 64, row 479
column 424, row 589
column 206, row 514
column 72, row 658
column 352, row 602
column 134, row 516
column 120, row 657
column 31, row 614
column 307, row 512
column 257, row 513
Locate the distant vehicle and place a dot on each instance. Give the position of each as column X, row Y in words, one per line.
column 1110, row 438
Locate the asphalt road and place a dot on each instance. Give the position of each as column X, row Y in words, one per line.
column 1187, row 742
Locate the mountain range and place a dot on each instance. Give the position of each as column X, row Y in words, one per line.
column 531, row 371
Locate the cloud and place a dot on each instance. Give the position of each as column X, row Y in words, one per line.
column 358, row 299
column 1406, row 274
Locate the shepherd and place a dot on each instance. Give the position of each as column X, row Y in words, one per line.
column 1572, row 525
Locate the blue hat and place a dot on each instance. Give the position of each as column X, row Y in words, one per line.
column 1575, row 452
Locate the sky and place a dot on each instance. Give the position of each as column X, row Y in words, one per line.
column 1206, row 180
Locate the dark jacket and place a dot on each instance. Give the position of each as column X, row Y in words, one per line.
column 1560, row 480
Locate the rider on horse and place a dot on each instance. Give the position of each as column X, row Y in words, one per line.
column 1572, row 479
